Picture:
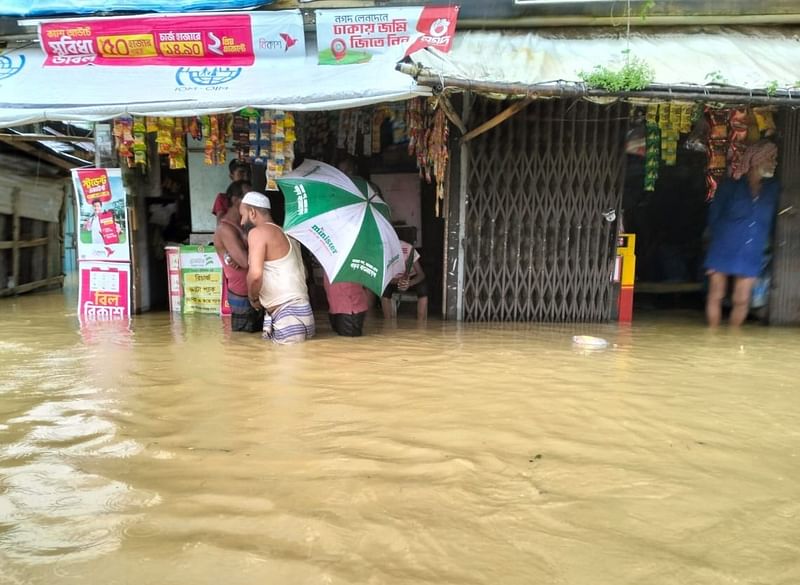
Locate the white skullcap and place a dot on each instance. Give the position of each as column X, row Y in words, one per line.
column 256, row 199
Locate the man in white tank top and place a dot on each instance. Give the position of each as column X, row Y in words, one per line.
column 276, row 277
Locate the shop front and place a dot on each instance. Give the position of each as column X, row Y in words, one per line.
column 547, row 174
column 260, row 96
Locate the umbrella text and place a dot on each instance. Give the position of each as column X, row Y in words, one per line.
column 364, row 266
column 325, row 238
column 302, row 199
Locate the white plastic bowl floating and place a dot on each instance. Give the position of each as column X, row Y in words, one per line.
column 589, row 342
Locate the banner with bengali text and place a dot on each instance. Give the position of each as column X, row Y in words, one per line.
column 351, row 36
column 201, row 280
column 225, row 39
column 104, row 291
column 102, row 215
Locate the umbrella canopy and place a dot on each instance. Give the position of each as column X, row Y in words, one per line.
column 344, row 223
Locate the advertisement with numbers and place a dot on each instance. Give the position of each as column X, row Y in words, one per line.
column 218, row 40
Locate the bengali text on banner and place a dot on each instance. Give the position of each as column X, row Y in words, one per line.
column 351, row 36
column 191, row 40
column 104, row 291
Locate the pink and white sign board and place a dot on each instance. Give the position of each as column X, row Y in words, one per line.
column 104, row 291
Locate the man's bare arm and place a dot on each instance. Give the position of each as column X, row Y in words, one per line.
column 233, row 245
column 257, row 247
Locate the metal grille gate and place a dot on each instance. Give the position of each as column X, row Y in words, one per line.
column 537, row 246
column 784, row 303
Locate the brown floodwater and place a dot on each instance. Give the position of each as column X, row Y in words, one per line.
column 173, row 452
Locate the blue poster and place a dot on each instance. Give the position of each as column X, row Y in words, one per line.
column 63, row 7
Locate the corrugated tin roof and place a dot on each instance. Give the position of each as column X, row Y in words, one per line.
column 753, row 58
column 41, row 198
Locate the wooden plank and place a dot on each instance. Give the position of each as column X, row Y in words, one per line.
column 8, row 245
column 30, row 286
column 497, row 120
column 16, row 223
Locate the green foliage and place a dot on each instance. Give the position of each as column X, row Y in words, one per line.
column 647, row 6
column 634, row 75
column 772, row 88
column 716, row 77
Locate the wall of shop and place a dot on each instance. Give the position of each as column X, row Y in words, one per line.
column 31, row 223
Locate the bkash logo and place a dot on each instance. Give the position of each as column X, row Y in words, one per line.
column 8, row 68
column 206, row 76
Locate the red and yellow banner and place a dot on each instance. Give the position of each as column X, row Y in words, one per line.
column 205, row 40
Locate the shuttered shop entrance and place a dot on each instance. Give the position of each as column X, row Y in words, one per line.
column 784, row 305
column 537, row 244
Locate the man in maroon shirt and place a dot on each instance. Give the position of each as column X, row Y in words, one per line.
column 348, row 306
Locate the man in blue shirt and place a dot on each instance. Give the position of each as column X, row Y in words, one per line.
column 740, row 221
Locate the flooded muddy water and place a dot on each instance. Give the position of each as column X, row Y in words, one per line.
column 173, row 452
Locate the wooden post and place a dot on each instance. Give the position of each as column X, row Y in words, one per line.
column 38, row 256
column 3, row 254
column 15, row 236
column 453, row 306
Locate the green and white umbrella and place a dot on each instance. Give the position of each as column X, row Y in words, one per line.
column 344, row 223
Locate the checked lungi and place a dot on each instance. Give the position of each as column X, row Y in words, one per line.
column 291, row 322
column 243, row 316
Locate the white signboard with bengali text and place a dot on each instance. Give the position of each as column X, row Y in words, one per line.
column 351, row 36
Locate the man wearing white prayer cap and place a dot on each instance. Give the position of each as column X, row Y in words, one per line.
column 276, row 277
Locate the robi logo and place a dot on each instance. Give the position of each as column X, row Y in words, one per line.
column 9, row 68
column 206, row 76
column 289, row 40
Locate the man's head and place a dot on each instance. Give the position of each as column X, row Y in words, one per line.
column 347, row 165
column 759, row 160
column 254, row 210
column 238, row 170
column 767, row 161
column 97, row 207
column 235, row 193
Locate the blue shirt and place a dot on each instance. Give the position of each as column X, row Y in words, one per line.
column 740, row 227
